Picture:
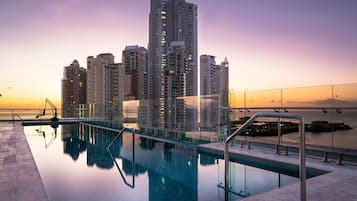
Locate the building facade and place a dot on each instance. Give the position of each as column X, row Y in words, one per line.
column 134, row 60
column 175, row 86
column 73, row 89
column 170, row 20
column 105, row 86
column 214, row 90
column 208, row 75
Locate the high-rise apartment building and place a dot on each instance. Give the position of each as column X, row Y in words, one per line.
column 223, row 91
column 214, row 90
column 170, row 20
column 175, row 86
column 208, row 75
column 214, row 78
column 73, row 89
column 223, row 87
column 105, row 81
column 134, row 60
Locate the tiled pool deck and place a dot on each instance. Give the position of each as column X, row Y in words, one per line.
column 20, row 179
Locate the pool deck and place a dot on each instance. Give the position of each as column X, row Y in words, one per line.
column 19, row 176
column 339, row 184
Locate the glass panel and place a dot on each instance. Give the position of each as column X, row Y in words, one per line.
column 314, row 103
column 263, row 98
column 344, row 117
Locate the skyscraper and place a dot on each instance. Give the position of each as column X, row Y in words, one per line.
column 105, row 85
column 208, row 75
column 134, row 60
column 214, row 91
column 223, row 87
column 73, row 89
column 175, row 86
column 223, row 91
column 170, row 20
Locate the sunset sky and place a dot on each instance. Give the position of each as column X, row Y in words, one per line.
column 269, row 44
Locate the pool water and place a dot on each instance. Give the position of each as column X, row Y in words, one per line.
column 75, row 165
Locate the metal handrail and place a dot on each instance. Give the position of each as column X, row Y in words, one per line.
column 116, row 138
column 133, row 158
column 302, row 170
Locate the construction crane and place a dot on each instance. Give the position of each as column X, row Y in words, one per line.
column 54, row 111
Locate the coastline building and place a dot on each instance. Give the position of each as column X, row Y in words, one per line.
column 73, row 89
column 223, row 92
column 134, row 60
column 208, row 92
column 135, row 65
column 208, row 75
column 214, row 91
column 105, row 86
column 170, row 20
column 175, row 86
column 223, row 87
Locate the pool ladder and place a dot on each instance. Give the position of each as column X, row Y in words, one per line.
column 302, row 167
column 120, row 133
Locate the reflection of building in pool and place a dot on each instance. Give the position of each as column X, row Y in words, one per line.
column 94, row 141
column 128, row 168
column 206, row 160
column 168, row 165
column 72, row 145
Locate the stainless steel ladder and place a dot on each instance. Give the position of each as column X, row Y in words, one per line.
column 302, row 167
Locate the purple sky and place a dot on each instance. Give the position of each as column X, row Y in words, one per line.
column 270, row 44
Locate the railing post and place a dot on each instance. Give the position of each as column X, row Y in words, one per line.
column 226, row 163
column 302, row 160
column 339, row 159
column 325, row 158
column 279, row 137
column 133, row 149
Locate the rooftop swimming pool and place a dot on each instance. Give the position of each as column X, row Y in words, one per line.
column 75, row 165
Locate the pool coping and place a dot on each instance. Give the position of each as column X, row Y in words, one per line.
column 338, row 184
column 19, row 176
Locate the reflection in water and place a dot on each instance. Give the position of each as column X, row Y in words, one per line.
column 154, row 170
column 206, row 160
column 73, row 146
column 52, row 135
column 172, row 170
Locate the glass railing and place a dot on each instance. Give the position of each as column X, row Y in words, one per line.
column 330, row 115
column 16, row 114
